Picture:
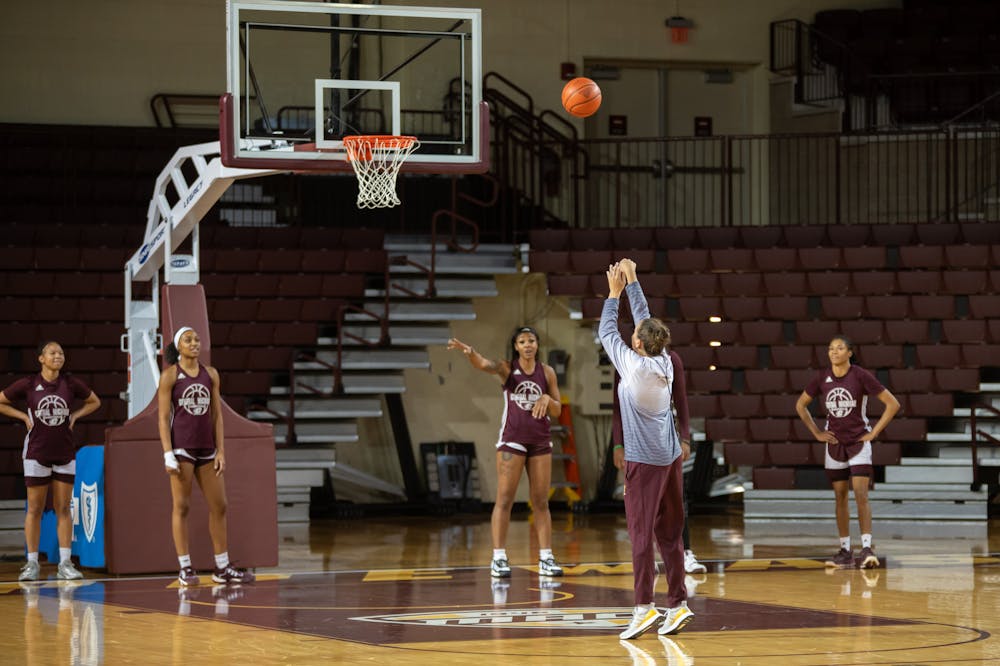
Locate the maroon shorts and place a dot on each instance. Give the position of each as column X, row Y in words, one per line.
column 196, row 457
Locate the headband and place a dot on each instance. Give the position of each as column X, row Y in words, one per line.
column 181, row 331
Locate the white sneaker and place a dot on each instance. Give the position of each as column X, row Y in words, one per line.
column 691, row 563
column 500, row 568
column 643, row 619
column 29, row 571
column 66, row 571
column 548, row 567
column 675, row 619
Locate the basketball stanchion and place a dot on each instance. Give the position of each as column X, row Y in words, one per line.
column 376, row 160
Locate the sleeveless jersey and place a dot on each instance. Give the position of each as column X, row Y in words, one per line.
column 520, row 393
column 48, row 407
column 191, row 420
column 845, row 400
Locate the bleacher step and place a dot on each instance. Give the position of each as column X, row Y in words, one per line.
column 420, row 335
column 444, row 287
column 419, row 311
column 370, row 359
column 354, row 384
column 322, row 408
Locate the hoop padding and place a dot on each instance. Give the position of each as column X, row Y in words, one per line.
column 376, row 160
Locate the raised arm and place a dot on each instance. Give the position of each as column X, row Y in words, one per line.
column 480, row 362
column 616, row 349
column 636, row 299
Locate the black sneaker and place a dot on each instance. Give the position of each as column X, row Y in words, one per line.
column 843, row 559
column 230, row 574
column 868, row 559
column 187, row 577
column 548, row 567
column 499, row 568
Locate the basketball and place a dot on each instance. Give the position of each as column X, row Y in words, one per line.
column 581, row 97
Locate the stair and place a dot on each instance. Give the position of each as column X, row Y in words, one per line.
column 324, row 420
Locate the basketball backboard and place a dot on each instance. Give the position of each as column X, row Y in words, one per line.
column 303, row 75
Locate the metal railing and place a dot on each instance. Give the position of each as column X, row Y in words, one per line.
column 987, row 438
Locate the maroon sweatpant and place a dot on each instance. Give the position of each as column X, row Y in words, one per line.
column 654, row 508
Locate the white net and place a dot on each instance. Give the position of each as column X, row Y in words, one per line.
column 376, row 161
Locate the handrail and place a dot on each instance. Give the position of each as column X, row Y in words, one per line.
column 988, row 437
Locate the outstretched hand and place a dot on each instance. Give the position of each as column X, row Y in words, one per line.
column 616, row 281
column 455, row 343
column 627, row 267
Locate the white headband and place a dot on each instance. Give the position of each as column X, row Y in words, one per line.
column 179, row 333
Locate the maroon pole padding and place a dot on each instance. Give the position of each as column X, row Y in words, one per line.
column 138, row 536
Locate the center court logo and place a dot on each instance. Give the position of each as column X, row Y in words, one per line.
column 526, row 395
column 583, row 619
column 840, row 402
column 195, row 400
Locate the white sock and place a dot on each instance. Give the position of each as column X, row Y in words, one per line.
column 222, row 560
column 845, row 543
column 185, row 560
column 544, row 553
column 64, row 554
column 866, row 540
column 499, row 553
column 33, row 557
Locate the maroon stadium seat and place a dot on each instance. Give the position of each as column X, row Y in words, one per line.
column 322, row 261
column 919, row 282
column 881, row 356
column 963, row 331
column 699, row 308
column 653, row 284
column 360, row 238
column 957, row 379
column 769, row 429
column 280, row 238
column 287, row 260
column 229, row 260
column 864, row 258
column 911, row 380
column 645, row 260
column 980, row 233
column 887, row 307
column 687, row 260
column 640, row 238
column 816, row 332
column 762, row 333
column 774, row 478
column 766, row 381
column 939, row 356
column 863, row 331
column 922, row 405
column 760, row 237
column 731, row 260
column 569, row 285
column 912, row 331
column 829, row 282
column 696, row 357
column 743, row 308
column 674, row 238
column 366, row 261
column 791, row 356
column 548, row 239
column 710, row 381
column 697, row 284
column 906, row 430
column 682, row 333
column 717, row 237
column 741, row 284
column 938, row 233
column 726, row 429
column 301, row 285
column 588, row 262
column 964, row 282
column 249, row 285
column 842, row 307
column 704, row 406
column 984, row 306
column 775, row 259
column 805, row 235
column 791, row 284
column 967, row 256
column 726, row 332
column 892, row 234
column 886, row 453
column 549, row 262
column 219, row 285
column 978, row 355
column 740, row 405
column 737, row 356
column 849, row 236
column 791, row 453
column 278, row 309
column 789, row 308
column 781, row 404
column 590, row 239
column 873, row 282
column 745, row 453
column 820, row 258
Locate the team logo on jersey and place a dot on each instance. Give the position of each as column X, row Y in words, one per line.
column 583, row 619
column 840, row 402
column 39, row 388
column 526, row 395
column 195, row 400
column 88, row 509
column 52, row 410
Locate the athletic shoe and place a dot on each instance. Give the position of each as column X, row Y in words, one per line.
column 29, row 571
column 868, row 559
column 643, row 619
column 691, row 563
column 230, row 574
column 843, row 559
column 187, row 576
column 499, row 568
column 675, row 619
column 548, row 567
column 66, row 571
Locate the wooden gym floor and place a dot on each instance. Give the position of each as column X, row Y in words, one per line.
column 409, row 590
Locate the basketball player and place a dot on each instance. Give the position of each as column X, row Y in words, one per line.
column 531, row 396
column 49, row 455
column 691, row 563
column 193, row 448
column 848, row 436
column 654, row 481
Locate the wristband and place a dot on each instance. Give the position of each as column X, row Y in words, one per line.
column 618, row 446
column 170, row 460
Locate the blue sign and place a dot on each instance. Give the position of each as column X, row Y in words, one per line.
column 88, row 506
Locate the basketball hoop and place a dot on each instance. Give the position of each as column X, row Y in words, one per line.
column 376, row 160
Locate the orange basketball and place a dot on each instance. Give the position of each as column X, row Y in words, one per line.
column 581, row 97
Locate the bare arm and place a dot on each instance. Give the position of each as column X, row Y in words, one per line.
column 802, row 408
column 891, row 408
column 551, row 403
column 216, row 407
column 163, row 393
column 7, row 408
column 89, row 406
column 480, row 362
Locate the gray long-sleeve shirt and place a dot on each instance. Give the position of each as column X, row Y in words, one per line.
column 645, row 389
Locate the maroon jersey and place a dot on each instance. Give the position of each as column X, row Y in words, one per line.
column 520, row 393
column 191, row 420
column 48, row 407
column 846, row 402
